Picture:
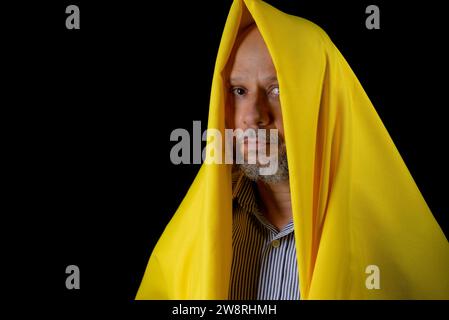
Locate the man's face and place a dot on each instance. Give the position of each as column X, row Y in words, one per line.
column 253, row 96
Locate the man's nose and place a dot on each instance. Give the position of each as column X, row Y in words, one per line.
column 257, row 111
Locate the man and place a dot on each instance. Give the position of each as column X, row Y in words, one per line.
column 264, row 258
column 345, row 212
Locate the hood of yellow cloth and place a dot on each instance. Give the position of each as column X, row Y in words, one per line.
column 354, row 201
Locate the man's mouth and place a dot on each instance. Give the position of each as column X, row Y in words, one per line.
column 254, row 141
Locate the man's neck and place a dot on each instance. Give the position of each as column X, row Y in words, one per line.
column 275, row 202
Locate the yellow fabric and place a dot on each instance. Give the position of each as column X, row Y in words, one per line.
column 354, row 201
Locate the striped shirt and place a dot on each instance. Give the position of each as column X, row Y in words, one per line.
column 264, row 265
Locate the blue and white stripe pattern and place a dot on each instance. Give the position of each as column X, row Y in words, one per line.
column 264, row 265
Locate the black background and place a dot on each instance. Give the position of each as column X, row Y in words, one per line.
column 89, row 114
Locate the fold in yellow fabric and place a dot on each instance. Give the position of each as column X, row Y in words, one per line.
column 355, row 204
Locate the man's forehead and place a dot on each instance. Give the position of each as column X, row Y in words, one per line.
column 251, row 43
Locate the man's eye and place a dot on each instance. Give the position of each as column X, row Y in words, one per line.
column 238, row 91
column 275, row 91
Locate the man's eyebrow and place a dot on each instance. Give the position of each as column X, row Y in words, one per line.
column 271, row 78
column 236, row 78
column 240, row 78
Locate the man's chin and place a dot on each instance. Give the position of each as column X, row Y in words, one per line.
column 251, row 171
column 254, row 171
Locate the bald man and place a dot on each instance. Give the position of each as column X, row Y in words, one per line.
column 264, row 264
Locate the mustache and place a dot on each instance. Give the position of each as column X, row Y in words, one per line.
column 251, row 137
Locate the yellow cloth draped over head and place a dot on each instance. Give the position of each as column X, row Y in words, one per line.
column 354, row 202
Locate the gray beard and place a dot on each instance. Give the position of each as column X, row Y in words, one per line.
column 252, row 171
